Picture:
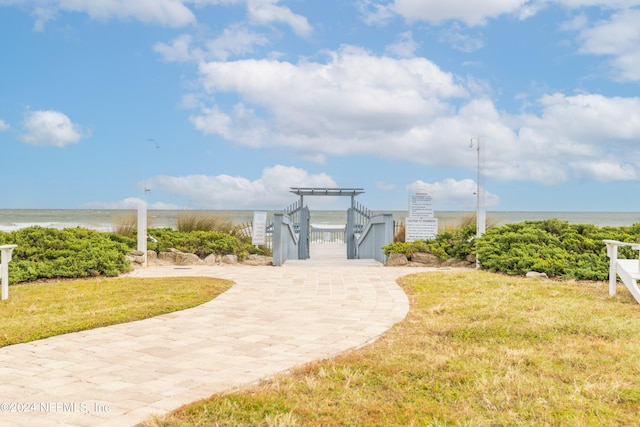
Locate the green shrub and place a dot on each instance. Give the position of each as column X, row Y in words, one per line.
column 554, row 247
column 47, row 253
column 448, row 244
column 202, row 243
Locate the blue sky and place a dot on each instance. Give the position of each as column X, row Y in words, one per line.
column 226, row 104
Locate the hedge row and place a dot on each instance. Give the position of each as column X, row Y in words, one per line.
column 554, row 247
column 49, row 253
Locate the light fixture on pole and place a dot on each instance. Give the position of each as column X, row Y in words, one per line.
column 481, row 213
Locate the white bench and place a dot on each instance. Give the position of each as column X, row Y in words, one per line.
column 627, row 269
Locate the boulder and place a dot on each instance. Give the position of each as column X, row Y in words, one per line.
column 212, row 259
column 536, row 274
column 167, row 257
column 457, row 263
column 187, row 259
column 136, row 260
column 254, row 259
column 396, row 259
column 229, row 259
column 426, row 259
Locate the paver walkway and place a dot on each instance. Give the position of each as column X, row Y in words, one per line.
column 271, row 320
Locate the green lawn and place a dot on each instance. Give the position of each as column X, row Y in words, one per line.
column 41, row 310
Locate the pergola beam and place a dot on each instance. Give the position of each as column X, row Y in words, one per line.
column 315, row 191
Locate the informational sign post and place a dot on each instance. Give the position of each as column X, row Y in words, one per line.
column 420, row 224
column 259, row 229
column 420, row 228
column 420, row 204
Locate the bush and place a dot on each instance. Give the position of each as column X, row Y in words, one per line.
column 554, row 247
column 48, row 253
column 201, row 243
column 448, row 244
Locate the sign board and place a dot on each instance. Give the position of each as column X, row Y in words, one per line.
column 420, row 228
column 259, row 229
column 420, row 203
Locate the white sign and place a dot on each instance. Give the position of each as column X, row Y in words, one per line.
column 259, row 229
column 420, row 228
column 420, row 203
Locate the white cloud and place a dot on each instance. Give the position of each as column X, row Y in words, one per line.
column 451, row 194
column 178, row 51
column 171, row 13
column 270, row 191
column 351, row 106
column 267, row 11
column 618, row 38
column 604, row 171
column 404, row 47
column 459, row 40
column 470, row 12
column 50, row 128
column 235, row 40
column 571, row 137
column 473, row 12
column 374, row 13
column 42, row 15
column 354, row 103
column 4, row 126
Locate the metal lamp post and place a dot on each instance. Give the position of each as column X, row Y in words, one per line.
column 481, row 213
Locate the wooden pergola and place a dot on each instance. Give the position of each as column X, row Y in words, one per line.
column 304, row 220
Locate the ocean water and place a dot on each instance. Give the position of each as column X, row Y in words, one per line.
column 107, row 220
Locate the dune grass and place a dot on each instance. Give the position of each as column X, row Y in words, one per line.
column 41, row 310
column 202, row 221
column 477, row 349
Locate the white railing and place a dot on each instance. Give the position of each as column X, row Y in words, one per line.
column 329, row 234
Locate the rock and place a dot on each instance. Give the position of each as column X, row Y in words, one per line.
column 535, row 274
column 457, row 263
column 229, row 259
column 426, row 259
column 167, row 257
column 396, row 259
column 135, row 259
column 254, row 259
column 136, row 253
column 187, row 259
column 212, row 259
column 152, row 256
